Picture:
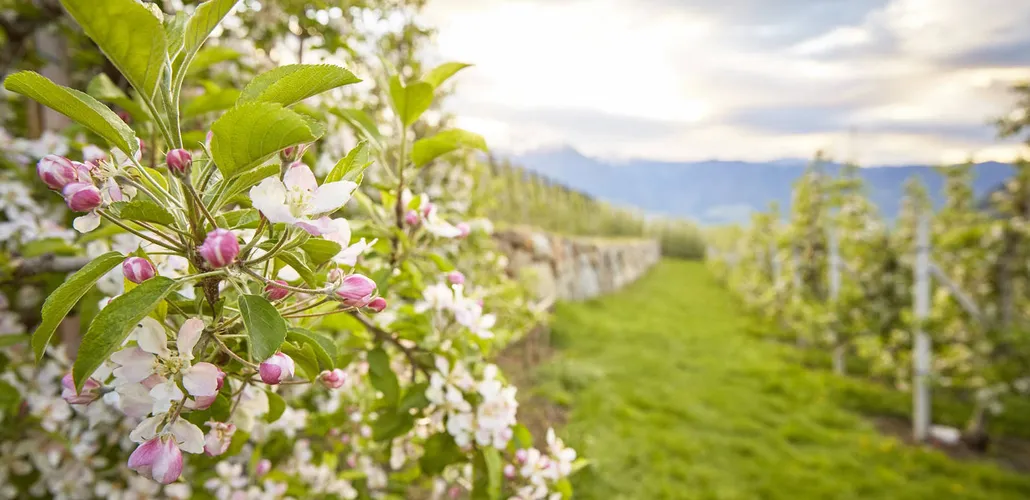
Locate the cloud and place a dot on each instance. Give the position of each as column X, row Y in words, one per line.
column 694, row 79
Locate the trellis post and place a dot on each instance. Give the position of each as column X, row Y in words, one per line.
column 921, row 417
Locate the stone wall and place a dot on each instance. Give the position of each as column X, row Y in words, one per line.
column 575, row 268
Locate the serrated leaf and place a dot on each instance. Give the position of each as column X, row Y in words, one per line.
column 175, row 33
column 443, row 72
column 114, row 322
column 103, row 89
column 414, row 397
column 303, row 357
column 236, row 219
column 250, row 133
column 391, row 425
column 350, row 167
column 440, row 451
column 295, row 261
column 411, row 101
column 200, row 26
column 141, row 209
column 75, row 105
column 296, row 82
column 217, row 99
column 266, row 328
column 428, row 149
column 319, row 251
column 64, row 298
column 243, row 182
column 383, row 378
column 363, row 125
column 276, row 407
column 128, row 34
column 324, row 349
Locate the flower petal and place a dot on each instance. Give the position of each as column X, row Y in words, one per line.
column 147, row 429
column 164, row 394
column 269, row 197
column 135, row 364
column 168, row 466
column 337, row 230
column 331, row 196
column 188, row 436
column 134, row 400
column 86, row 223
column 201, row 379
column 189, row 334
column 150, row 335
column 299, row 175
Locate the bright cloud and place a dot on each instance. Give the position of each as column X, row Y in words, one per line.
column 878, row 81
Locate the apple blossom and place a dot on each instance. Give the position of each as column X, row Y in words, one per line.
column 333, row 379
column 299, row 200
column 456, row 278
column 56, row 171
column 463, row 229
column 138, row 269
column 220, row 248
column 179, row 162
column 276, row 369
column 90, row 391
column 356, row 290
column 377, row 304
column 276, row 292
column 218, row 438
column 412, row 218
column 159, row 459
column 82, row 197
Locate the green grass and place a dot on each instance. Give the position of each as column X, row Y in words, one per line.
column 669, row 396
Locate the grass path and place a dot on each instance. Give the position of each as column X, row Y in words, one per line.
column 671, row 398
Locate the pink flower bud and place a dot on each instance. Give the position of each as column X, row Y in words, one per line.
column 220, row 248
column 464, row 228
column 332, row 379
column 179, row 162
column 203, row 402
column 293, row 153
column 138, row 269
column 377, row 304
column 56, row 171
column 276, row 292
column 411, row 218
column 356, row 290
column 218, row 438
column 82, row 197
column 90, row 391
column 509, row 471
column 428, row 209
column 275, row 369
column 335, row 275
column 83, row 171
column 125, row 116
column 521, row 456
column 158, row 459
column 263, row 466
column 456, row 278
column 454, row 492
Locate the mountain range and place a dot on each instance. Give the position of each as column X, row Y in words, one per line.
column 717, row 191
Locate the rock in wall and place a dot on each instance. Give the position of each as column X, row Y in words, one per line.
column 574, row 268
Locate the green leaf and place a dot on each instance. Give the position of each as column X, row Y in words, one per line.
column 296, row 82
column 319, row 251
column 428, row 149
column 175, row 33
column 9, row 395
column 113, row 323
column 383, row 378
column 391, row 425
column 75, row 105
column 414, row 397
column 244, row 181
column 486, row 474
column 276, row 407
column 128, row 34
column 249, row 133
column 363, row 124
column 564, row 487
column 522, row 438
column 295, row 261
column 103, row 89
column 9, row 340
column 303, row 357
column 443, row 72
column 440, row 451
column 214, row 99
column 200, row 26
column 350, row 167
column 144, row 210
column 323, row 347
column 236, row 219
column 266, row 328
column 57, row 305
column 410, row 102
column 210, row 56
column 44, row 246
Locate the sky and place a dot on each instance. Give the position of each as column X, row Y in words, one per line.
column 872, row 81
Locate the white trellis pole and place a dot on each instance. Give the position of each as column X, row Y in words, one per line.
column 839, row 348
column 921, row 417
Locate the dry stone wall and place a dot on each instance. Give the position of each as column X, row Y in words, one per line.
column 575, row 268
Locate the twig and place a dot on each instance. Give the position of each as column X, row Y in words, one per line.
column 384, row 336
